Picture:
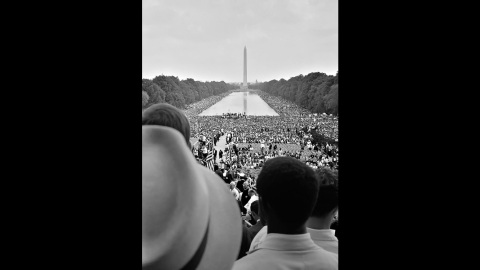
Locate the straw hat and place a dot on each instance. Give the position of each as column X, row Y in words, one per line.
column 189, row 218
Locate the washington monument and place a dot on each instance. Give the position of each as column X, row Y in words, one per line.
column 245, row 85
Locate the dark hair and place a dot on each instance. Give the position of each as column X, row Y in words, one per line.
column 289, row 189
column 327, row 200
column 327, row 176
column 164, row 114
column 254, row 207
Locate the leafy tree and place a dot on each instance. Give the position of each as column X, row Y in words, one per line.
column 315, row 91
column 332, row 100
column 144, row 98
column 181, row 93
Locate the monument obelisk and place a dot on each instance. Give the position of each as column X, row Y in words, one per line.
column 245, row 85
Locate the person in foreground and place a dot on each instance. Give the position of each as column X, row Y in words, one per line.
column 164, row 114
column 189, row 218
column 318, row 225
column 320, row 221
column 287, row 191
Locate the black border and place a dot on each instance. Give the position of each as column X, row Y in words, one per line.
column 85, row 166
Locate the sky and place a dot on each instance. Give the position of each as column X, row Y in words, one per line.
column 204, row 39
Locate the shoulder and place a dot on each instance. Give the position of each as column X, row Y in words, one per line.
column 259, row 237
column 271, row 259
column 245, row 263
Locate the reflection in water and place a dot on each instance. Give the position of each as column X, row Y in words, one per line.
column 239, row 102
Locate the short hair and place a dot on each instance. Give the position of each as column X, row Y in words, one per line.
column 254, row 207
column 289, row 188
column 328, row 193
column 327, row 176
column 327, row 201
column 164, row 114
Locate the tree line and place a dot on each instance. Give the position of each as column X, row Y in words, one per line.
column 317, row 92
column 179, row 93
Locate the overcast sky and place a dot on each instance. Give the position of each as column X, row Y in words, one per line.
column 204, row 39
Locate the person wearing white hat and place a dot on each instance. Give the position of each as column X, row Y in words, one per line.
column 189, row 218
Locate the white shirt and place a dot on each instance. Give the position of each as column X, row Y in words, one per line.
column 282, row 252
column 252, row 199
column 259, row 238
column 235, row 193
column 323, row 238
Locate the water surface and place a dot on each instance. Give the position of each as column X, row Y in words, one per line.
column 239, row 102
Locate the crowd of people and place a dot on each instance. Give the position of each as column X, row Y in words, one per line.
column 261, row 229
column 252, row 140
column 200, row 106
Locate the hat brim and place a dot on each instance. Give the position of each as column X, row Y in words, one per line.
column 225, row 225
column 221, row 229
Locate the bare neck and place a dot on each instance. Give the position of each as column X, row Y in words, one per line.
column 319, row 223
column 275, row 226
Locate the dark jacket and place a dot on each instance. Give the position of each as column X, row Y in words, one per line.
column 219, row 173
column 246, row 241
column 240, row 185
column 245, row 198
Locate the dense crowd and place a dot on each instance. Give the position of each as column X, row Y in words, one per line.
column 261, row 228
column 252, row 140
column 196, row 108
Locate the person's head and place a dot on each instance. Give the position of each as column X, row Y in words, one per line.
column 245, row 185
column 164, row 114
column 251, row 192
column 232, row 185
column 327, row 201
column 327, row 177
column 287, row 191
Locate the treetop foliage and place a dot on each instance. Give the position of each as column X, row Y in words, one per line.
column 317, row 92
column 178, row 93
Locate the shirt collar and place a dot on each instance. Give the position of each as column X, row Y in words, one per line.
column 288, row 242
column 322, row 235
